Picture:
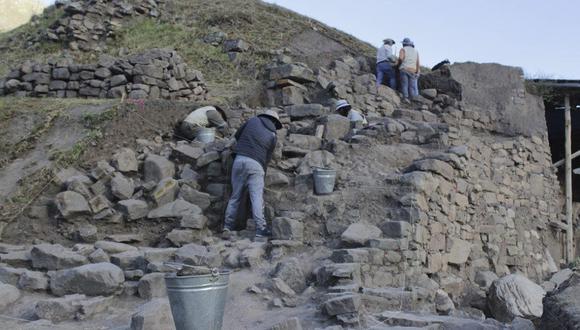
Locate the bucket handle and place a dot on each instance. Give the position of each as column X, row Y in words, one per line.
column 177, row 265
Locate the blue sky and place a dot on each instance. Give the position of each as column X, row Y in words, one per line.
column 541, row 36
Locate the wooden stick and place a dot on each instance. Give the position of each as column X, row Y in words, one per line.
column 568, row 151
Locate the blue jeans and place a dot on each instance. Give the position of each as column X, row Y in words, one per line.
column 247, row 173
column 385, row 69
column 409, row 85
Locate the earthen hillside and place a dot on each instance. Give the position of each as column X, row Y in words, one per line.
column 446, row 213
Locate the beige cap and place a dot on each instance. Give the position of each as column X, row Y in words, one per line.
column 273, row 114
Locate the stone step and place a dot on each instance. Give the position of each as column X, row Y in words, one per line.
column 404, row 319
column 417, row 115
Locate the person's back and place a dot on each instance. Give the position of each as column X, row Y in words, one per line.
column 410, row 61
column 384, row 53
column 385, row 62
column 256, row 139
column 203, row 117
column 409, row 70
column 355, row 116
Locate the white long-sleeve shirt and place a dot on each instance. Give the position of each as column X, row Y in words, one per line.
column 384, row 53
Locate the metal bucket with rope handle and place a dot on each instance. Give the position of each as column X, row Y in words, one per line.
column 197, row 301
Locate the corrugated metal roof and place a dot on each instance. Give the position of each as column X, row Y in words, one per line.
column 559, row 83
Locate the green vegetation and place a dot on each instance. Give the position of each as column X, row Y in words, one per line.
column 144, row 33
column 15, row 42
column 182, row 27
column 44, row 113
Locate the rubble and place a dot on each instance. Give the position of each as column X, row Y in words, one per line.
column 55, row 257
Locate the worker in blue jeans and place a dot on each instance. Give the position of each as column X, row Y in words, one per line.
column 385, row 62
column 255, row 144
column 410, row 69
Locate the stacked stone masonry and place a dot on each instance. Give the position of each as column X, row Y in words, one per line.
column 152, row 74
column 429, row 201
column 86, row 25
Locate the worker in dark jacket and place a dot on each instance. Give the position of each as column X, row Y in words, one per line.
column 256, row 141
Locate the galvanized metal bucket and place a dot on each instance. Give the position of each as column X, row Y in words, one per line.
column 205, row 135
column 198, row 301
column 324, row 180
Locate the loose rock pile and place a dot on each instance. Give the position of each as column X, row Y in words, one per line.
column 86, row 25
column 155, row 74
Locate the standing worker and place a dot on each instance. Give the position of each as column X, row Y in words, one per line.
column 256, row 141
column 210, row 116
column 410, row 70
column 385, row 64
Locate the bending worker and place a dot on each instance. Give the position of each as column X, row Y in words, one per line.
column 356, row 118
column 210, row 116
column 256, row 140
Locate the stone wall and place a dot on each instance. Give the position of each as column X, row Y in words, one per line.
column 156, row 73
column 86, row 25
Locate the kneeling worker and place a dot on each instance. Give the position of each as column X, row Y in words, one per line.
column 210, row 116
column 356, row 118
column 256, row 140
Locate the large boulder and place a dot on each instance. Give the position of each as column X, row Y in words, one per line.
column 114, row 247
column 55, row 257
column 33, row 281
column 287, row 229
column 9, row 294
column 335, row 126
column 125, row 160
column 515, row 296
column 176, row 209
column 152, row 286
column 157, row 168
column 154, row 315
column 358, row 234
column 121, row 187
column 291, row 272
column 304, row 110
column 92, row 280
column 133, row 209
column 198, row 255
column 71, row 204
column 58, row 309
column 296, row 72
column 318, row 158
column 165, row 192
column 344, row 304
column 562, row 306
column 193, row 196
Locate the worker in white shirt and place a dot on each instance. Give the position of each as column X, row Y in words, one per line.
column 344, row 108
column 210, row 116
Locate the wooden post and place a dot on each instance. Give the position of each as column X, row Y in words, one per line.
column 568, row 151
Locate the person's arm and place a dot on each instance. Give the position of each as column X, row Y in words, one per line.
column 418, row 64
column 240, row 130
column 273, row 142
column 215, row 118
column 401, row 56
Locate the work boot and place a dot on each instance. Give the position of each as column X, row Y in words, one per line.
column 262, row 235
column 227, row 232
